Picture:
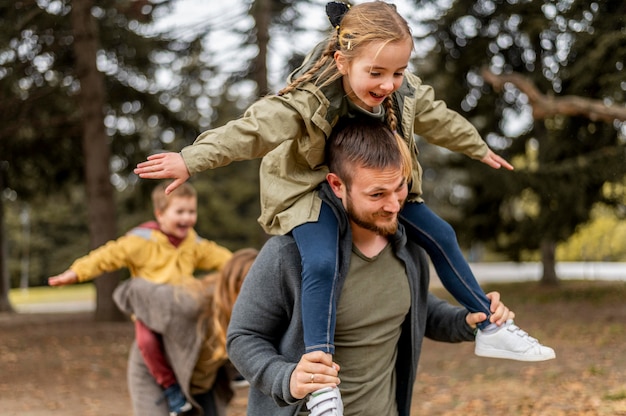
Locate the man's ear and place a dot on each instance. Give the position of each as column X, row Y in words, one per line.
column 340, row 61
column 336, row 184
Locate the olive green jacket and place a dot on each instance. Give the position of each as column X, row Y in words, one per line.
column 289, row 132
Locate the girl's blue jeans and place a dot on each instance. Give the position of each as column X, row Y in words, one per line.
column 318, row 243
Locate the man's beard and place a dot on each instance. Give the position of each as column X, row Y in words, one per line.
column 368, row 222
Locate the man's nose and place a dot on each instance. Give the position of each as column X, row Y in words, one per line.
column 393, row 204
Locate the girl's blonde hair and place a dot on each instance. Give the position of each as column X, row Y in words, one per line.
column 364, row 23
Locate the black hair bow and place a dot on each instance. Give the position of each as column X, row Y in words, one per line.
column 335, row 11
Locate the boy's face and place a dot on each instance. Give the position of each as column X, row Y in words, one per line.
column 180, row 215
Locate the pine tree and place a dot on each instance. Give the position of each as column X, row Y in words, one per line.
column 565, row 48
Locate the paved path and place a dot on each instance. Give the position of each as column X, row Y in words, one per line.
column 484, row 272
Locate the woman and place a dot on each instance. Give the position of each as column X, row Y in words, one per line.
column 192, row 320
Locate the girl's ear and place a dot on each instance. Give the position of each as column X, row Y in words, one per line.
column 340, row 61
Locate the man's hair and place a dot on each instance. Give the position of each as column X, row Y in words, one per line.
column 366, row 142
column 160, row 201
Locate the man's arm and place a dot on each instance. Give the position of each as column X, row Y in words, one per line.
column 449, row 323
column 264, row 338
column 445, row 322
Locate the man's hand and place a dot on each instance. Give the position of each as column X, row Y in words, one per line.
column 66, row 278
column 500, row 313
column 164, row 166
column 315, row 371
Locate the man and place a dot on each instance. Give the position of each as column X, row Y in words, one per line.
column 384, row 307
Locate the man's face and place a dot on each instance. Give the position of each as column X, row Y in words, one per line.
column 179, row 216
column 375, row 199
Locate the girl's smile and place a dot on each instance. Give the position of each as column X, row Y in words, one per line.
column 376, row 72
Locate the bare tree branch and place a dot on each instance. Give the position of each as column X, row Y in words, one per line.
column 545, row 106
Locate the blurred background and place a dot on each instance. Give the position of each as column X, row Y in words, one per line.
column 89, row 89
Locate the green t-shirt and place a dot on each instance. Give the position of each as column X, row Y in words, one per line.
column 374, row 302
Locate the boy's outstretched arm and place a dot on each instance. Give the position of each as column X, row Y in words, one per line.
column 68, row 277
column 164, row 166
column 496, row 161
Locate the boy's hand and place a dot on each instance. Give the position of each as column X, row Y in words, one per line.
column 496, row 161
column 68, row 277
column 164, row 166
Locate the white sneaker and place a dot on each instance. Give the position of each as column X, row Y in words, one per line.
column 510, row 342
column 325, row 402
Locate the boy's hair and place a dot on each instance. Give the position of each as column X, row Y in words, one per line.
column 364, row 23
column 365, row 142
column 160, row 200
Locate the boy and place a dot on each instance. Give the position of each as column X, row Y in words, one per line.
column 165, row 251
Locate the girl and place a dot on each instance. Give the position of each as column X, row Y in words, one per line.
column 361, row 68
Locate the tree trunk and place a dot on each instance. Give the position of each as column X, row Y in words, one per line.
column 5, row 286
column 262, row 14
column 96, row 151
column 548, row 260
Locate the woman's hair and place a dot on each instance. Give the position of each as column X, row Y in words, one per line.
column 227, row 284
column 364, row 23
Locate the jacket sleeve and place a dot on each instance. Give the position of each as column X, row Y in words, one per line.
column 264, row 126
column 260, row 342
column 107, row 258
column 446, row 322
column 211, row 256
column 441, row 126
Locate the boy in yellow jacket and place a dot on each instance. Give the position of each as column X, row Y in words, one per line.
column 166, row 251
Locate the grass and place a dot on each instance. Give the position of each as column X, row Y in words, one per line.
column 46, row 294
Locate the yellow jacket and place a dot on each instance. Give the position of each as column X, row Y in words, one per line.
column 148, row 253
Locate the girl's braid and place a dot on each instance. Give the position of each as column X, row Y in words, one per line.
column 392, row 119
column 392, row 123
column 311, row 73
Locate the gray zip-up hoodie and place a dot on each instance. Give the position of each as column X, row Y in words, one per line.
column 265, row 338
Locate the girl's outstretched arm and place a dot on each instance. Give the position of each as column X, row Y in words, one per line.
column 164, row 166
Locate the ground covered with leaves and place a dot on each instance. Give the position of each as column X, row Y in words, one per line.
column 67, row 364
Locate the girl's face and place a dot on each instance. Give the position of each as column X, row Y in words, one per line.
column 375, row 73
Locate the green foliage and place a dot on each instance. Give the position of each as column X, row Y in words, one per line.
column 562, row 163
column 40, row 122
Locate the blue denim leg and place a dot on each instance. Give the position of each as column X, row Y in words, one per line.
column 439, row 240
column 318, row 243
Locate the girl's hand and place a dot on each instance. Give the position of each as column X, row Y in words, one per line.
column 164, row 166
column 496, row 161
